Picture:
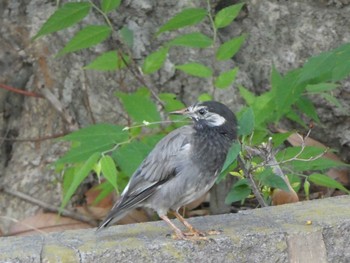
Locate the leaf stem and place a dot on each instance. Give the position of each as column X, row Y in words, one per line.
column 103, row 14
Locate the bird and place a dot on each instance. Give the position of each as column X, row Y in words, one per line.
column 181, row 168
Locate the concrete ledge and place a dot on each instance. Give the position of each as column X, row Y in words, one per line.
column 314, row 231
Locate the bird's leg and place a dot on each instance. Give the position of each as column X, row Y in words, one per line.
column 178, row 232
column 193, row 231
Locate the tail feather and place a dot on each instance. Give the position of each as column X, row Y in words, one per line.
column 113, row 216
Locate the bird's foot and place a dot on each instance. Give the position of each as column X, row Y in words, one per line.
column 192, row 236
column 194, row 233
column 213, row 232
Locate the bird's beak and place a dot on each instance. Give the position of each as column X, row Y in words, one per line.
column 184, row 111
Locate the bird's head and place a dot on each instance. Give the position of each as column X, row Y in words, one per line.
column 211, row 114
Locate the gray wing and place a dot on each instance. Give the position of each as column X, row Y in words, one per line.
column 161, row 165
column 162, row 162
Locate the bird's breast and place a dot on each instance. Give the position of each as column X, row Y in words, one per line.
column 210, row 150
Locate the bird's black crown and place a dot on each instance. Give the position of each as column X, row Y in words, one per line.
column 214, row 115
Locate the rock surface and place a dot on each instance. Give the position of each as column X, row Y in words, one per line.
column 280, row 33
column 311, row 232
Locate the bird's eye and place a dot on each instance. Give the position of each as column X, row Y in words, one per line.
column 202, row 111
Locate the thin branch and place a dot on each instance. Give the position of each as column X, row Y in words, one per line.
column 50, row 208
column 57, row 105
column 116, row 147
column 145, row 123
column 44, row 138
column 249, row 176
column 266, row 152
column 103, row 14
column 20, row 91
column 86, row 97
column 31, row 228
column 139, row 76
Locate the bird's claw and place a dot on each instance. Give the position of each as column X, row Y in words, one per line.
column 195, row 235
column 213, row 232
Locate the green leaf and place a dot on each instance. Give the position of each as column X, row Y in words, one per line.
column 308, row 152
column 228, row 49
column 248, row 96
column 139, row 106
column 225, row 79
column 330, row 98
column 246, row 122
column 155, row 60
column 324, row 180
column 130, row 156
column 318, row 164
column 87, row 37
column 92, row 139
column 127, row 35
column 204, row 97
column 239, row 191
column 187, row 17
column 276, row 79
column 317, row 88
column 232, row 154
column 263, row 108
column 66, row 16
column 295, row 182
column 226, row 15
column 286, row 92
column 196, row 69
column 292, row 115
column 109, row 170
column 328, row 66
column 196, row 40
column 109, row 5
column 171, row 102
column 269, row 178
column 97, row 170
column 307, row 107
column 279, row 138
column 81, row 174
column 110, row 60
column 105, row 189
column 68, row 177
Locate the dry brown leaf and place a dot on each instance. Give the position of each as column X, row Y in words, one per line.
column 196, row 203
column 197, row 212
column 134, row 216
column 280, row 197
column 93, row 193
column 45, row 222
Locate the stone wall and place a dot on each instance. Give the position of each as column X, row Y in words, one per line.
column 311, row 232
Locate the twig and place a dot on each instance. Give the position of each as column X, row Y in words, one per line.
column 249, row 176
column 31, row 228
column 139, row 75
column 20, row 91
column 44, row 138
column 266, row 152
column 59, row 108
column 86, row 97
column 49, row 207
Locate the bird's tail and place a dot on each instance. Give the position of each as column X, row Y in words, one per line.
column 113, row 216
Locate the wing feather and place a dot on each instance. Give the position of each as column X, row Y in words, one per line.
column 162, row 164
